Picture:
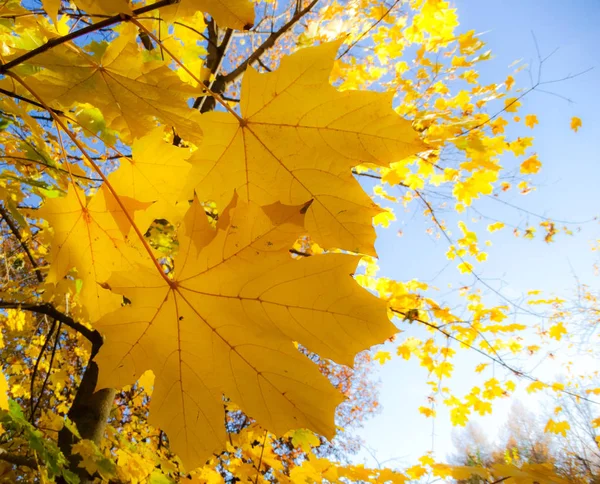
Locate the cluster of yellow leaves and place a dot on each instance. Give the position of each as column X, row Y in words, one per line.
column 224, row 321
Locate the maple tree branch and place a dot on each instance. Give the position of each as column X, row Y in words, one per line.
column 267, row 44
column 4, row 68
column 27, row 100
column 15, row 231
column 48, row 309
column 215, row 59
column 18, row 460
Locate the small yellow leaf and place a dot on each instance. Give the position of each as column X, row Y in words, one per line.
column 305, row 439
column 495, row 226
column 482, row 366
column 511, row 105
column 575, row 123
column 510, row 81
column 531, row 120
column 557, row 331
column 536, row 386
column 465, row 267
column 382, row 356
column 416, row 472
column 427, row 411
column 557, row 427
column 531, row 165
column 108, row 7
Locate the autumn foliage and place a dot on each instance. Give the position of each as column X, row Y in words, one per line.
column 190, row 277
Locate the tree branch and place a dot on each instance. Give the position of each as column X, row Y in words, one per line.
column 18, row 460
column 27, row 100
column 267, row 44
column 4, row 68
column 91, row 335
column 215, row 58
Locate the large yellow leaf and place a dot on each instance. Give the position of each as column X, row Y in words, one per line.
column 234, row 14
column 87, row 236
column 156, row 174
column 298, row 140
column 129, row 92
column 226, row 326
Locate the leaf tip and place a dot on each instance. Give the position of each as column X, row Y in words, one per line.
column 306, row 206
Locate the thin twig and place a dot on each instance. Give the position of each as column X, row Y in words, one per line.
column 499, row 361
column 33, row 406
column 53, row 354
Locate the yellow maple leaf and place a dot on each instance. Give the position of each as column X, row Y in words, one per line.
column 495, row 226
column 416, row 471
column 575, row 123
column 465, row 267
column 427, row 411
column 226, row 322
column 557, row 331
column 382, row 357
column 459, row 415
column 86, row 236
column 51, row 7
column 531, row 165
column 557, row 427
column 107, row 7
column 531, row 120
column 511, row 105
column 297, row 140
column 128, row 91
column 510, row 81
column 234, row 14
column 536, row 386
column 155, row 176
column 305, row 439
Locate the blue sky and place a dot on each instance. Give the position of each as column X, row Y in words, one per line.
column 567, row 189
